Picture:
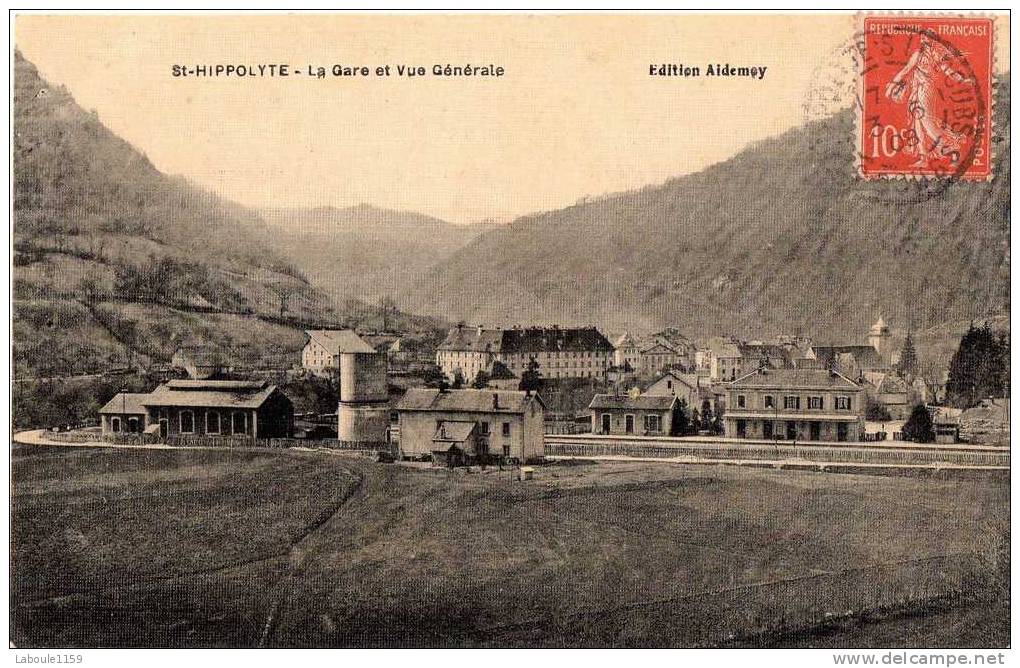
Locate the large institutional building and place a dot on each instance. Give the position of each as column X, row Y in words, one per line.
column 581, row 352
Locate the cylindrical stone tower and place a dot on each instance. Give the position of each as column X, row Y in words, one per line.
column 363, row 414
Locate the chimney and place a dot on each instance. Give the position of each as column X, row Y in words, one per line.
column 495, row 400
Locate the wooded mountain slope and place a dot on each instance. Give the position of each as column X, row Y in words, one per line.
column 117, row 263
column 782, row 237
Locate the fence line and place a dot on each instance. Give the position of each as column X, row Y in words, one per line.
column 240, row 442
column 589, row 447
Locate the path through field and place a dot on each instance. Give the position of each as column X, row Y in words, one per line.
column 114, row 547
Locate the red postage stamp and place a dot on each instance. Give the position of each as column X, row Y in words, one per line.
column 925, row 98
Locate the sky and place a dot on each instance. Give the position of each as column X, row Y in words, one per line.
column 576, row 113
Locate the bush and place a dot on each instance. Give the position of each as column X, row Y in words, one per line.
column 877, row 412
column 919, row 427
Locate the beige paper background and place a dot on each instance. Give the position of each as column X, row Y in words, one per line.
column 576, row 114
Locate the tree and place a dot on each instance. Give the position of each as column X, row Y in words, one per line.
column 481, row 380
column 458, row 380
column 531, row 379
column 706, row 415
column 434, row 377
column 932, row 373
column 919, row 427
column 695, row 421
column 283, row 293
column 387, row 307
column 908, row 364
column 718, row 427
column 876, row 411
column 681, row 422
column 979, row 368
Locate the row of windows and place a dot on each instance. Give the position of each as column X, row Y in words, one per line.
column 516, row 356
column 652, row 423
column 484, row 426
column 792, row 402
column 213, row 422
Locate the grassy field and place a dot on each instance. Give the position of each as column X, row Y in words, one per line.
column 166, row 548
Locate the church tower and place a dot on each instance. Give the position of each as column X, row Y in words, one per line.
column 878, row 338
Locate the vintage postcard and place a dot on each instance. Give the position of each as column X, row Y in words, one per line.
column 511, row 330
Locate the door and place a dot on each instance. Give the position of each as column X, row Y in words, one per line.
column 741, row 429
column 841, row 431
column 607, row 423
column 164, row 427
column 791, row 431
column 816, row 431
column 628, row 422
column 766, row 429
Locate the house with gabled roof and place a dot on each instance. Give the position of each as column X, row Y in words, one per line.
column 689, row 387
column 469, row 426
column 323, row 348
column 795, row 405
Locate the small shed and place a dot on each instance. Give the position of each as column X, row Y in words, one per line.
column 633, row 415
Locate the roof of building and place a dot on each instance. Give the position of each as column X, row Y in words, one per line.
column 689, row 379
column 866, row 357
column 210, row 393
column 777, row 355
column 125, row 403
column 645, row 402
column 472, row 339
column 338, row 341
column 885, row 382
column 525, row 340
column 794, row 379
column 466, row 401
column 454, row 431
column 879, row 327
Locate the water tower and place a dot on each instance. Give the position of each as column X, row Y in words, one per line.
column 363, row 413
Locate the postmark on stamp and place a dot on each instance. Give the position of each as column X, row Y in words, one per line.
column 925, row 97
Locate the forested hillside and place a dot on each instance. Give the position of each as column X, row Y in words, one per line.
column 780, row 238
column 116, row 264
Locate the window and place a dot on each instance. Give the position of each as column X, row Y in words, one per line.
column 187, row 422
column 133, row 425
column 741, row 401
column 115, row 424
column 485, row 428
column 815, row 403
column 791, row 402
column 653, row 423
column 842, row 403
column 212, row 422
column 506, row 430
column 770, row 401
column 240, row 422
column 669, row 384
column 628, row 421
